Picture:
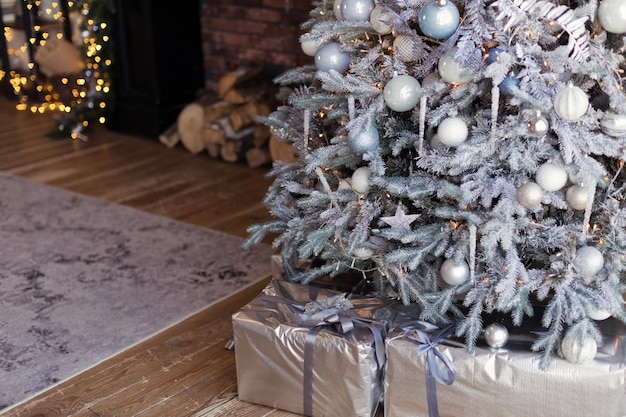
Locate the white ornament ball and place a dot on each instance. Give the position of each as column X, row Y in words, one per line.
column 337, row 9
column 310, row 47
column 365, row 140
column 357, row 10
column 344, row 185
column 330, row 57
column 612, row 15
column 496, row 335
column 404, row 48
column 529, row 194
column 451, row 71
column 577, row 196
column 551, row 176
column 613, row 124
column 571, row 103
column 438, row 19
column 588, row 261
column 361, row 180
column 596, row 313
column 435, row 143
column 401, row 93
column 454, row 272
column 381, row 20
column 452, row 131
column 538, row 125
column 576, row 351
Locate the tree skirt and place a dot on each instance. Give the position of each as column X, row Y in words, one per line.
column 82, row 279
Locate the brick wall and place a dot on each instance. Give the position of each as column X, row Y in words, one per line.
column 235, row 33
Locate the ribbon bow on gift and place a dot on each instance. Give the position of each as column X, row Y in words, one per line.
column 434, row 372
column 331, row 311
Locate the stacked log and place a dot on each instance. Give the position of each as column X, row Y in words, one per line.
column 225, row 125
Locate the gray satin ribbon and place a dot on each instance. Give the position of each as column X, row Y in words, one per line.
column 342, row 320
column 433, row 371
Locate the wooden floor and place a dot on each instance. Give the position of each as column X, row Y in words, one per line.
column 184, row 371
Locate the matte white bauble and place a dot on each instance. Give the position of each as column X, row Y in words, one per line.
column 452, row 131
column 529, row 194
column 612, row 15
column 381, row 20
column 337, row 9
column 451, row 71
column 588, row 261
column 361, row 180
column 571, row 103
column 577, row 196
column 435, row 143
column 613, row 124
column 576, row 351
column 357, row 10
column 401, row 93
column 496, row 335
column 551, row 176
column 599, row 314
column 330, row 57
column 404, row 47
column 454, row 272
column 309, row 47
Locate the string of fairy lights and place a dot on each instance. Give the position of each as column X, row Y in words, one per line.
column 79, row 100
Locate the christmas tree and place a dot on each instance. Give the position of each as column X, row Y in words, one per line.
column 466, row 155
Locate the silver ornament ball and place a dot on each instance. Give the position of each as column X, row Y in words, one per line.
column 577, row 196
column 538, row 125
column 381, row 20
column 588, row 261
column 365, row 140
column 451, row 71
column 454, row 272
column 357, row 10
column 496, row 335
column 529, row 194
column 330, row 57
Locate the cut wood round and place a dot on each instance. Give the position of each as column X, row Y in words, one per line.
column 190, row 127
column 281, row 151
column 257, row 157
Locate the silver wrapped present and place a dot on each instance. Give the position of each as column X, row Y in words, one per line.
column 311, row 351
column 499, row 382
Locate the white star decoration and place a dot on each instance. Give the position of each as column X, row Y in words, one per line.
column 400, row 220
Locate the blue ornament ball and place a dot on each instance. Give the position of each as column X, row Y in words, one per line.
column 330, row 57
column 357, row 10
column 365, row 140
column 493, row 55
column 438, row 19
column 508, row 85
column 401, row 93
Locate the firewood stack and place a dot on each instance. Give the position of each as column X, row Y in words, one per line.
column 225, row 125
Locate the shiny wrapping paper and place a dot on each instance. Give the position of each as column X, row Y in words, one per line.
column 507, row 382
column 270, row 342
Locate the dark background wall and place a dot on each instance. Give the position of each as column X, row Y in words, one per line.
column 238, row 32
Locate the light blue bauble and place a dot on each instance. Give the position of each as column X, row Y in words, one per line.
column 438, row 19
column 401, row 93
column 330, row 57
column 357, row 10
column 365, row 140
column 507, row 85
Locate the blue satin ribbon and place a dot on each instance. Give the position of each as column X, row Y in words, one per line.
column 434, row 372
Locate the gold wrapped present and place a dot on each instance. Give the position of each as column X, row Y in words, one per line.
column 311, row 351
column 499, row 382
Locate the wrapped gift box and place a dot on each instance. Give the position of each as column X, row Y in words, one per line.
column 505, row 382
column 285, row 359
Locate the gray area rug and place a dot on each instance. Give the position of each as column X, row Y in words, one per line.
column 82, row 279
